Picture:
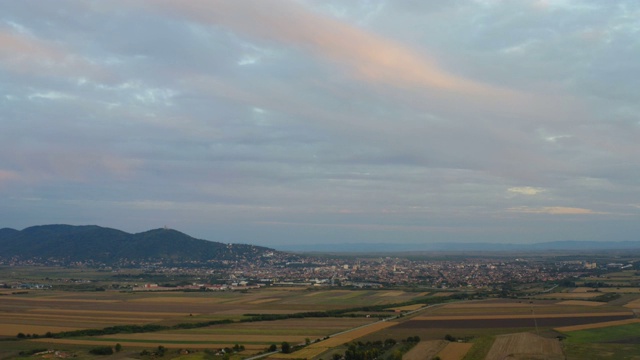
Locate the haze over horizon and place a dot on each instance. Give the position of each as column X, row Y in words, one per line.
column 284, row 122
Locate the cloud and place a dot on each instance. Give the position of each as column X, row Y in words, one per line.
column 372, row 57
column 25, row 54
column 553, row 210
column 77, row 165
column 525, row 190
column 8, row 176
column 415, row 116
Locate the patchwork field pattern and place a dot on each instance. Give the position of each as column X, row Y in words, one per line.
column 260, row 334
column 54, row 311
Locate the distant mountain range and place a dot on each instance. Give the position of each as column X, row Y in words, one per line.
column 462, row 247
column 106, row 245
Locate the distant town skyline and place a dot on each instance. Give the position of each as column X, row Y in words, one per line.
column 302, row 121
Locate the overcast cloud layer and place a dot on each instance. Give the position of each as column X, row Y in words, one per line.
column 282, row 122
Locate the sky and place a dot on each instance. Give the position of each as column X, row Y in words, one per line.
column 280, row 122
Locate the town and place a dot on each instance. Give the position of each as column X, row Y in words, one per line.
column 286, row 269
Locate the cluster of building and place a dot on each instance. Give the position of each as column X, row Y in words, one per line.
column 275, row 268
column 391, row 271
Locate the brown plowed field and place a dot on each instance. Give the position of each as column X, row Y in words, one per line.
column 597, row 325
column 479, row 322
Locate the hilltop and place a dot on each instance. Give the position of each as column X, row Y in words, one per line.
column 105, row 245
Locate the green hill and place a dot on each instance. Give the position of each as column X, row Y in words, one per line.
column 106, row 245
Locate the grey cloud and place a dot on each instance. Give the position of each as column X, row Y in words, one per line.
column 236, row 122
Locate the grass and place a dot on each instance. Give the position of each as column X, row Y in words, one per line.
column 196, row 356
column 597, row 343
column 480, row 348
column 601, row 351
column 601, row 335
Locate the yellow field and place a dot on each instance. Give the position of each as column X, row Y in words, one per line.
column 252, row 348
column 525, row 346
column 262, row 301
column 408, row 307
column 571, row 295
column 392, row 293
column 454, row 351
column 20, row 299
column 217, row 338
column 179, row 300
column 581, row 303
column 597, row 325
column 14, row 329
column 324, row 345
column 306, row 353
column 620, row 290
column 352, row 335
column 107, row 313
column 635, row 304
column 482, row 305
column 442, row 294
column 519, row 316
column 425, row 350
column 583, row 290
column 21, row 318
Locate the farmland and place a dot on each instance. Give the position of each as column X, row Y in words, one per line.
column 38, row 312
column 48, row 311
column 325, row 319
column 426, row 350
column 617, row 341
column 525, row 346
column 491, row 325
column 454, row 351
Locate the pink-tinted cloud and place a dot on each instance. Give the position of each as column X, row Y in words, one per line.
column 377, row 227
column 554, row 210
column 24, row 54
column 6, row 176
column 369, row 56
column 80, row 165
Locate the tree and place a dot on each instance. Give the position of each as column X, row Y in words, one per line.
column 285, row 347
column 161, row 350
column 118, row 347
column 102, row 350
column 273, row 348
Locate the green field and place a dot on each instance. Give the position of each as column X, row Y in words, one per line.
column 615, row 342
column 603, row 335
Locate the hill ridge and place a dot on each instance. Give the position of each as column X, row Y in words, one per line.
column 107, row 245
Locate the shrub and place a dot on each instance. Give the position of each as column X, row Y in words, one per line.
column 102, row 350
